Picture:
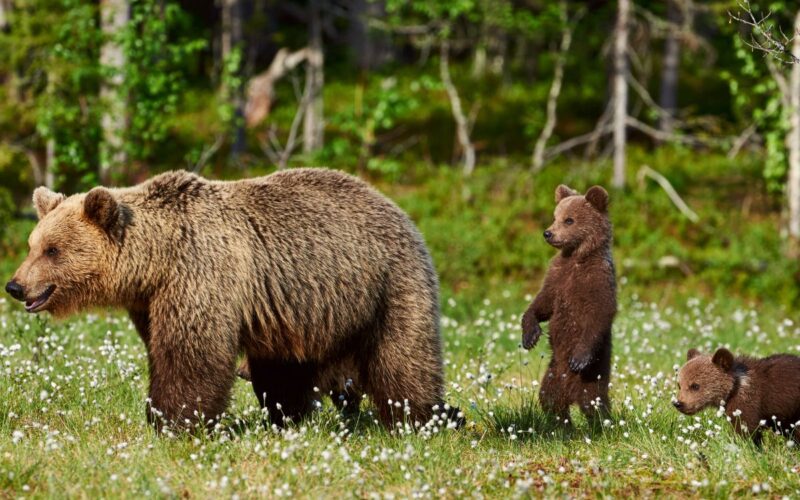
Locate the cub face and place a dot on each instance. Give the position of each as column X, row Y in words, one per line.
column 579, row 221
column 704, row 381
column 70, row 252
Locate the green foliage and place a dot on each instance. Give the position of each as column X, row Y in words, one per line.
column 156, row 51
column 6, row 214
column 231, row 85
column 492, row 237
column 377, row 109
column 756, row 94
column 54, row 51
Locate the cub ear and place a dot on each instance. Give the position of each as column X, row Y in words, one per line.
column 563, row 191
column 101, row 208
column 723, row 358
column 693, row 353
column 598, row 197
column 45, row 201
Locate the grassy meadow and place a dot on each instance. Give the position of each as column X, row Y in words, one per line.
column 73, row 392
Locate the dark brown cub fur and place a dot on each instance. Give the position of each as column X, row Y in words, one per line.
column 757, row 393
column 578, row 298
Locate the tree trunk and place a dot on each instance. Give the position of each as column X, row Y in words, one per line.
column 793, row 143
column 114, row 15
column 232, row 39
column 620, row 91
column 313, row 123
column 668, row 99
column 369, row 47
column 5, row 10
column 462, row 124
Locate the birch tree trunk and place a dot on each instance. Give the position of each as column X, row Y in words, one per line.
column 5, row 10
column 462, row 123
column 793, row 143
column 620, row 95
column 114, row 15
column 668, row 98
column 313, row 123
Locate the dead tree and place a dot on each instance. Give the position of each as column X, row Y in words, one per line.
column 793, row 141
column 620, row 93
column 537, row 161
column 261, row 88
column 462, row 122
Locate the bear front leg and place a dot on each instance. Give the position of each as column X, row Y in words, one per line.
column 191, row 370
column 541, row 309
column 746, row 423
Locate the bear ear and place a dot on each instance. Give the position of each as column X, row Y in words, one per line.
column 723, row 358
column 101, row 208
column 693, row 353
column 45, row 201
column 563, row 191
column 598, row 197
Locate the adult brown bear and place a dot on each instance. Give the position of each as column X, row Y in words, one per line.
column 320, row 280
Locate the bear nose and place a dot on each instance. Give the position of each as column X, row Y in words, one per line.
column 15, row 290
column 677, row 404
column 548, row 235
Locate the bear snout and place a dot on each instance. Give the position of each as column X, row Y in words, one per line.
column 15, row 290
column 548, row 235
column 677, row 404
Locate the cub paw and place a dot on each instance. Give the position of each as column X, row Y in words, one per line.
column 531, row 331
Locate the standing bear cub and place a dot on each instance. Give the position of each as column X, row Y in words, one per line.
column 578, row 298
column 320, row 280
column 756, row 393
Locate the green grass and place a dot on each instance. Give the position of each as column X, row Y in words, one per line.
column 73, row 395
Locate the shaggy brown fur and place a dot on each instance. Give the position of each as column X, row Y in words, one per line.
column 578, row 298
column 319, row 279
column 752, row 390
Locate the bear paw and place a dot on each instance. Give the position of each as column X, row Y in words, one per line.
column 531, row 331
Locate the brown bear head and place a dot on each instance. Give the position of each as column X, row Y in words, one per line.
column 705, row 380
column 71, row 251
column 581, row 223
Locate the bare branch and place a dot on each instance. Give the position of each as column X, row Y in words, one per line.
column 208, row 152
column 261, row 88
column 662, row 181
column 741, row 140
column 763, row 37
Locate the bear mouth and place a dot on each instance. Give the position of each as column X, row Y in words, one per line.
column 34, row 305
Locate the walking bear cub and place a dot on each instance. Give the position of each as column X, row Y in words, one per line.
column 578, row 298
column 320, row 280
column 756, row 393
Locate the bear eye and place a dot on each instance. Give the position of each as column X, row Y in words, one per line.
column 569, row 221
column 51, row 251
column 694, row 387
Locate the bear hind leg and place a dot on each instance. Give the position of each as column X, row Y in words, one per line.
column 553, row 394
column 404, row 363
